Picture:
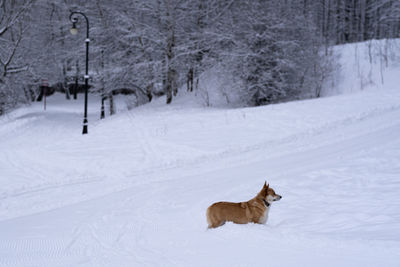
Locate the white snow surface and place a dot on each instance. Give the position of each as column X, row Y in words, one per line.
column 371, row 65
column 134, row 191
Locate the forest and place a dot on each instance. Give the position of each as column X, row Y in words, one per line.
column 263, row 51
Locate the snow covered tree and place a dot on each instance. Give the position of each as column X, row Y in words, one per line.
column 274, row 48
column 14, row 15
column 266, row 50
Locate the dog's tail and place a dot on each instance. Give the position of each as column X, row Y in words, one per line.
column 208, row 218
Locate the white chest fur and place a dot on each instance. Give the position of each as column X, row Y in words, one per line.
column 264, row 218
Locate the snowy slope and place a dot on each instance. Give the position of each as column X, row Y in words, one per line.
column 134, row 191
column 371, row 65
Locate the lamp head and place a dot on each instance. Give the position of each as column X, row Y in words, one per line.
column 74, row 30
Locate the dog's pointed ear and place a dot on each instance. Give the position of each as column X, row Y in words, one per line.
column 266, row 185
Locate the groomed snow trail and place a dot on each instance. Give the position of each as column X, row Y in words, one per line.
column 134, row 191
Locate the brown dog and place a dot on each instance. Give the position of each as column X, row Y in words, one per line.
column 255, row 210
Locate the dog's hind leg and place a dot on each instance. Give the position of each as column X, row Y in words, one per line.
column 215, row 225
column 213, row 221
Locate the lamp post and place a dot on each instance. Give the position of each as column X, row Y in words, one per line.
column 73, row 18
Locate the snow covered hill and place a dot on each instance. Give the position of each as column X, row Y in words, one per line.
column 371, row 65
column 134, row 191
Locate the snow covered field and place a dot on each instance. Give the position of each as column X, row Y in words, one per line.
column 134, row 191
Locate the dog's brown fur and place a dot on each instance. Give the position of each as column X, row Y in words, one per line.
column 255, row 210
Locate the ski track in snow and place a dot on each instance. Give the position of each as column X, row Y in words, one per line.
column 135, row 190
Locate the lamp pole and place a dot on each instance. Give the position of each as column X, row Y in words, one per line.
column 73, row 18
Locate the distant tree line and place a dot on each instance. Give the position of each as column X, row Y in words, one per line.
column 346, row 21
column 264, row 51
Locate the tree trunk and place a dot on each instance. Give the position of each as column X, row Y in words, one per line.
column 76, row 80
column 170, row 83
column 190, row 80
column 65, row 83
